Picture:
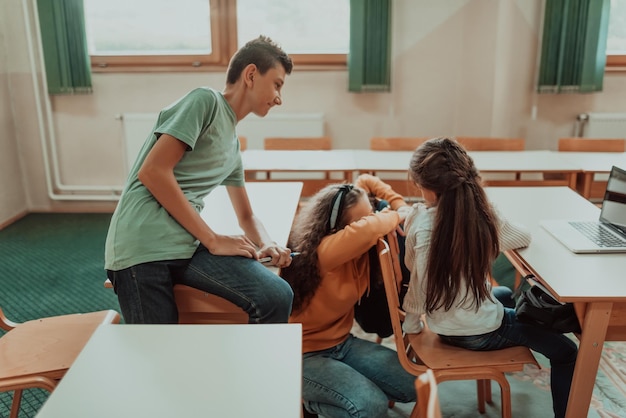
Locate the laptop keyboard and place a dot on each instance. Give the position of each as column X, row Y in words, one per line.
column 599, row 234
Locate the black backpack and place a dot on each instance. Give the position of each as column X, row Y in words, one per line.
column 538, row 307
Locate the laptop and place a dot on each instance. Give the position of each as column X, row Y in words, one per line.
column 608, row 235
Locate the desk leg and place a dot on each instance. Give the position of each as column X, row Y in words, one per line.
column 591, row 342
column 587, row 180
column 573, row 177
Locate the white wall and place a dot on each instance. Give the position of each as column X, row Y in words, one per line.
column 12, row 191
column 459, row 67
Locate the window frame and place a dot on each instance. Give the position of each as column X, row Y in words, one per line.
column 224, row 45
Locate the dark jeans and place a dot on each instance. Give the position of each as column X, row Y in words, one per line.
column 146, row 296
column 559, row 349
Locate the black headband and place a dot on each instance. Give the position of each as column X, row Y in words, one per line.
column 337, row 204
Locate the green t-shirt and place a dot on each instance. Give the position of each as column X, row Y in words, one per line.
column 141, row 230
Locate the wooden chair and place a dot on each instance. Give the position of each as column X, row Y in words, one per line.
column 419, row 352
column 476, row 143
column 198, row 307
column 312, row 182
column 401, row 185
column 288, row 143
column 427, row 396
column 38, row 353
column 243, row 143
column 396, row 143
column 589, row 184
column 592, row 144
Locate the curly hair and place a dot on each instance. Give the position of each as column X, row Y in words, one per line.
column 310, row 227
column 464, row 240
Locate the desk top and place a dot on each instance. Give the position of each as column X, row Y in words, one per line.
column 573, row 277
column 183, row 371
column 298, row 160
column 485, row 161
column 274, row 203
column 597, row 162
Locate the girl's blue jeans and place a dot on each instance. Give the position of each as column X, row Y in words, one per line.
column 354, row 379
column 559, row 349
column 146, row 296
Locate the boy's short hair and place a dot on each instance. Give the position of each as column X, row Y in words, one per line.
column 262, row 52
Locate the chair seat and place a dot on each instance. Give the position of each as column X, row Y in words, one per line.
column 26, row 350
column 440, row 356
column 198, row 307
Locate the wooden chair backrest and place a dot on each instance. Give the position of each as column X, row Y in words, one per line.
column 392, row 284
column 427, row 395
column 243, row 143
column 592, row 144
column 305, row 143
column 396, row 143
column 474, row 143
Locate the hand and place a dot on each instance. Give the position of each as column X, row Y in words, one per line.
column 232, row 245
column 404, row 211
column 281, row 256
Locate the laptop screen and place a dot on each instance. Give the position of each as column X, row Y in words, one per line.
column 614, row 203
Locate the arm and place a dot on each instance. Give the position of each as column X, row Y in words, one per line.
column 157, row 175
column 355, row 239
column 254, row 229
column 375, row 186
column 512, row 235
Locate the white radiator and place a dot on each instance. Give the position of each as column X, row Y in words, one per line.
column 137, row 126
column 601, row 125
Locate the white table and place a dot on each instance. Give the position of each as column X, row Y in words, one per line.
column 165, row 371
column 593, row 282
column 516, row 162
column 274, row 203
column 592, row 163
column 298, row 160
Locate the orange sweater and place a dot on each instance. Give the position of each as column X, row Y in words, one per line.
column 344, row 267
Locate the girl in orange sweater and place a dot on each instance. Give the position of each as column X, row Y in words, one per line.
column 343, row 376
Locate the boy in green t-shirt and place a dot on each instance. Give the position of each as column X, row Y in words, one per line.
column 157, row 238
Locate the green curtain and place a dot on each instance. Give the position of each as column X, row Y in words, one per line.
column 62, row 26
column 369, row 59
column 573, row 49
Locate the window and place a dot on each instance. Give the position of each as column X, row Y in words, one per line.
column 187, row 35
column 616, row 40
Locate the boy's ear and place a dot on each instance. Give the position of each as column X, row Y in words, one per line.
column 249, row 72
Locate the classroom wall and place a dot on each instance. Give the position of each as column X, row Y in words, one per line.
column 12, row 191
column 459, row 67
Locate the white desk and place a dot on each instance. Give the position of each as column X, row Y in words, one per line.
column 517, row 162
column 132, row 371
column 592, row 163
column 593, row 282
column 274, row 203
column 298, row 160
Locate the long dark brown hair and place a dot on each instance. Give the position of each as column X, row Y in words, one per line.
column 464, row 240
column 310, row 227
